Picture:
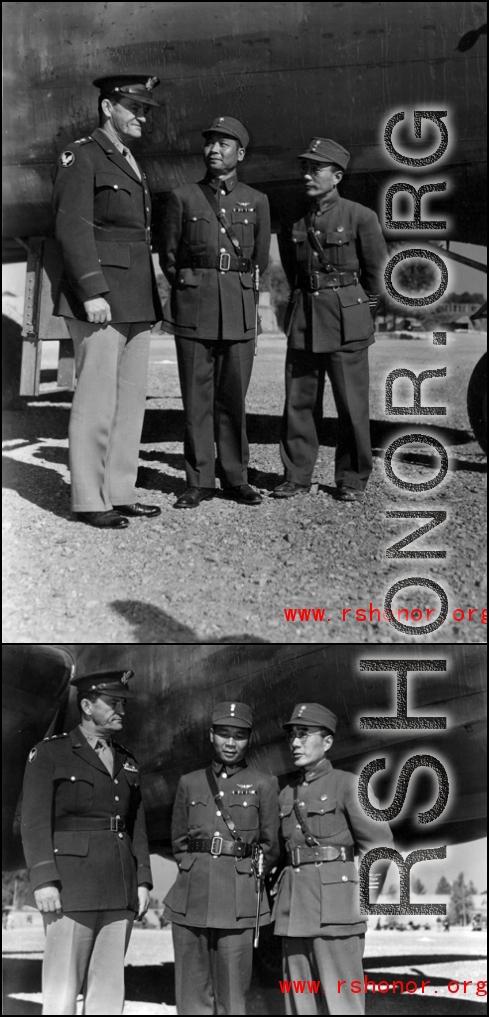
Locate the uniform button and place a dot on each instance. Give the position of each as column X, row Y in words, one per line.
column 297, row 826
column 147, row 209
column 222, row 229
column 245, row 804
column 324, row 798
column 344, row 879
column 322, row 810
column 222, row 250
column 192, row 803
column 246, row 221
column 223, row 192
column 281, row 815
column 302, row 803
column 116, row 187
column 224, row 775
column 359, row 300
column 120, row 835
column 116, row 799
column 339, row 241
column 223, row 209
column 115, row 780
column 340, row 229
column 328, row 267
column 56, row 851
column 194, row 218
column 218, row 813
column 316, row 293
column 72, row 778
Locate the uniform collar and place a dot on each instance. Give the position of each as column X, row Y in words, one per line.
column 322, row 768
column 93, row 739
column 217, row 184
column 225, row 768
column 326, row 202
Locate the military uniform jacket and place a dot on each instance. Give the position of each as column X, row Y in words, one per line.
column 323, row 899
column 103, row 215
column 324, row 320
column 220, row 892
column 206, row 303
column 67, row 785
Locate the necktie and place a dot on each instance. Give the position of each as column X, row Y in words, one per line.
column 132, row 162
column 104, row 752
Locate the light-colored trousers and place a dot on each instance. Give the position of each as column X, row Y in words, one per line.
column 107, row 412
column 85, row 952
column 327, row 960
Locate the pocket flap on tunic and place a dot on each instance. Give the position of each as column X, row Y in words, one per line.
column 70, row 773
column 285, row 809
column 339, row 238
column 111, row 253
column 244, row 217
column 187, row 862
column 114, row 180
column 193, row 215
column 243, row 865
column 320, row 806
column 71, row 842
column 338, row 872
column 246, row 280
column 350, row 295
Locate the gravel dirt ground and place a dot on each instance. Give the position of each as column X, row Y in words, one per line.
column 227, row 572
column 412, row 957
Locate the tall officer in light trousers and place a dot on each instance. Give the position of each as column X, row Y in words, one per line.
column 109, row 299
column 317, row 905
column 85, row 845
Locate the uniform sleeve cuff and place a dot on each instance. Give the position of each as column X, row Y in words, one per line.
column 91, row 285
column 43, row 872
column 144, row 876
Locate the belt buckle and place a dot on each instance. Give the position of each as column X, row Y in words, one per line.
column 330, row 853
column 114, row 824
column 216, row 850
column 295, row 855
column 314, row 280
column 224, row 262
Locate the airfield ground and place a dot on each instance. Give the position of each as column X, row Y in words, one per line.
column 429, row 956
column 227, row 572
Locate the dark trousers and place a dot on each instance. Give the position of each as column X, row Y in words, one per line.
column 214, row 378
column 329, row 961
column 212, row 969
column 304, row 383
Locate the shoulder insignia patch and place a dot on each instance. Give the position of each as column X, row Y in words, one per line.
column 67, row 159
column 32, row 755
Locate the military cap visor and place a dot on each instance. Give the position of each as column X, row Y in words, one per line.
column 129, row 86
column 231, row 128
column 327, row 151
column 105, row 683
column 312, row 715
column 237, row 714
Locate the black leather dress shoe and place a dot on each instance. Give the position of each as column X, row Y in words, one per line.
column 138, row 509
column 104, row 520
column 193, row 496
column 244, row 494
column 288, row 489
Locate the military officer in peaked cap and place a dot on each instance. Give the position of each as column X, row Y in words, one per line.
column 317, row 906
column 109, row 299
column 215, row 233
column 219, row 814
column 85, row 845
column 333, row 258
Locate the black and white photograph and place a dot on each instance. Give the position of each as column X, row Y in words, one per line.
column 245, row 829
column 244, row 322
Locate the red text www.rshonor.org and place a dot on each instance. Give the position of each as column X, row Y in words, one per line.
column 411, row 986
column 375, row 614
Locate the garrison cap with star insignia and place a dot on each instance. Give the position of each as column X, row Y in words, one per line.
column 327, row 151
column 233, row 713
column 229, row 126
column 106, row 683
column 129, row 86
column 312, row 715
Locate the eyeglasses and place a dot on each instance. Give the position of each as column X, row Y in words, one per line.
column 301, row 733
column 314, row 168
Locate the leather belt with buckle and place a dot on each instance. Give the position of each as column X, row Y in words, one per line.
column 328, row 280
column 218, row 846
column 224, row 262
column 303, row 855
column 85, row 824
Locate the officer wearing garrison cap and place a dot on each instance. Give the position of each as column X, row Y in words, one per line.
column 216, row 234
column 85, row 844
column 109, row 299
column 219, row 814
column 317, row 906
column 333, row 258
